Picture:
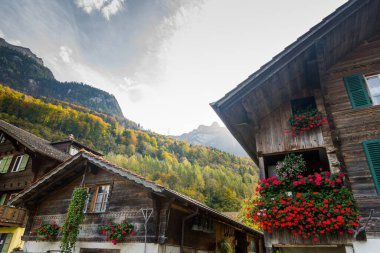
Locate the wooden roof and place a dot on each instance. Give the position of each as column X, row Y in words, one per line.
column 32, row 142
column 74, row 168
column 331, row 39
column 77, row 144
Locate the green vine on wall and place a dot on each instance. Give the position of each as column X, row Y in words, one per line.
column 225, row 246
column 75, row 217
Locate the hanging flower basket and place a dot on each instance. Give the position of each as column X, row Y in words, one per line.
column 305, row 121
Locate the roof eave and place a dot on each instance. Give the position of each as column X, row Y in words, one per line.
column 234, row 95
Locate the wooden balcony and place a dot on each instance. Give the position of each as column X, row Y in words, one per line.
column 284, row 238
column 12, row 216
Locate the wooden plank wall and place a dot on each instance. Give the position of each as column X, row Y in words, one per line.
column 357, row 125
column 126, row 199
column 272, row 139
column 15, row 181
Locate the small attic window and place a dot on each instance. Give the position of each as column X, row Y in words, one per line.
column 73, row 150
column 2, row 138
column 303, row 104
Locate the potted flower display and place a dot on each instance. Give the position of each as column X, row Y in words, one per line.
column 305, row 121
column 320, row 205
column 116, row 232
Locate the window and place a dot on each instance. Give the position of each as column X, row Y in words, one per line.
column 98, row 199
column 73, row 150
column 373, row 83
column 315, row 159
column 303, row 104
column 358, row 90
column 271, row 171
column 372, row 152
column 2, row 138
column 20, row 163
column 4, row 163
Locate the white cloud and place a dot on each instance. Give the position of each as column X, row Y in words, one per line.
column 106, row 7
column 65, row 54
column 112, row 8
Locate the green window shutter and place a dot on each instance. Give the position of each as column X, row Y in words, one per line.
column 357, row 91
column 4, row 164
column 24, row 162
column 7, row 243
column 2, row 198
column 372, row 151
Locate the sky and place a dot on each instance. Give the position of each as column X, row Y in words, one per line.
column 164, row 60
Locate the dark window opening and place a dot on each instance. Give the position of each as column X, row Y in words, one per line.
column 315, row 159
column 303, row 104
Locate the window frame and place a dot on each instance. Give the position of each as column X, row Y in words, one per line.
column 307, row 103
column 73, row 150
column 17, row 163
column 92, row 199
column 371, row 95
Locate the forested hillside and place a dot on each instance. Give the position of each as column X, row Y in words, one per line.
column 211, row 176
column 20, row 69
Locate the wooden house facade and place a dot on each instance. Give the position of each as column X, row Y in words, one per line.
column 334, row 68
column 164, row 221
column 24, row 158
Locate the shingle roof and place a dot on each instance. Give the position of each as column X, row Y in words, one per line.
column 32, row 142
column 78, row 144
column 50, row 177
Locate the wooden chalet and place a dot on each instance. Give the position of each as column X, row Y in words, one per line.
column 24, row 158
column 174, row 222
column 334, row 68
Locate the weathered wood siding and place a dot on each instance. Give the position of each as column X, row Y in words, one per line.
column 38, row 165
column 125, row 201
column 271, row 137
column 357, row 125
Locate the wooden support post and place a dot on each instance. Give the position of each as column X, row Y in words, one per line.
column 262, row 167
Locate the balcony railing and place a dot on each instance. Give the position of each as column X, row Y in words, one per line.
column 12, row 216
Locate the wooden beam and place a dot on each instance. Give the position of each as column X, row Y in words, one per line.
column 305, row 245
column 262, row 167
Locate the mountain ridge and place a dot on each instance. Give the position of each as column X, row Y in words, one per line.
column 214, row 136
column 24, row 50
column 24, row 71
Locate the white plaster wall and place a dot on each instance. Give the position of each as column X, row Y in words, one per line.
column 370, row 246
column 170, row 249
column 39, row 247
